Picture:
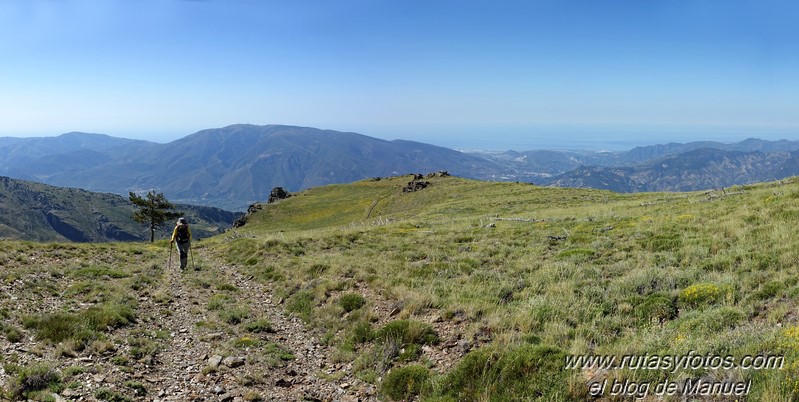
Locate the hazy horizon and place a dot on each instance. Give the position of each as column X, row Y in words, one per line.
column 537, row 138
column 444, row 72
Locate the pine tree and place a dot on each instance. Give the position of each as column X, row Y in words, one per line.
column 154, row 210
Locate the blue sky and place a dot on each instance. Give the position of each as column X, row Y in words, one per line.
column 470, row 74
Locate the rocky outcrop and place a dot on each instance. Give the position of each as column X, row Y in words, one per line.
column 416, row 184
column 441, row 173
column 242, row 220
column 278, row 193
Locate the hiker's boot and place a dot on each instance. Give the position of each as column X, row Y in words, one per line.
column 183, row 263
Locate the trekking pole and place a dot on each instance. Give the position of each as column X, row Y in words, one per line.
column 191, row 253
column 170, row 255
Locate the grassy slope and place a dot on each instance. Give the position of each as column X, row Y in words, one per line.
column 653, row 273
column 656, row 273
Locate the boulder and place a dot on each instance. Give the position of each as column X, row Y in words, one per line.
column 278, row 193
column 440, row 173
column 215, row 361
column 415, row 186
column 233, row 361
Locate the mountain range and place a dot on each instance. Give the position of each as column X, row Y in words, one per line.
column 238, row 165
column 229, row 167
column 542, row 164
column 700, row 169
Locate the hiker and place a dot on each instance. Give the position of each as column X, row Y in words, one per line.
column 182, row 235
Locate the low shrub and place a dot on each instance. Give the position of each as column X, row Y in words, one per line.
column 362, row 332
column 102, row 317
column 35, row 378
column 106, row 394
column 668, row 240
column 711, row 321
column 142, row 348
column 580, row 254
column 99, row 271
column 398, row 340
column 768, row 290
column 261, row 325
column 656, row 307
column 405, row 383
column 252, row 396
column 246, row 342
column 12, row 334
column 527, row 372
column 59, row 327
column 789, row 338
column 138, row 388
column 234, row 315
column 703, row 294
column 301, row 303
column 275, row 355
column 218, row 301
column 80, row 327
column 408, row 332
column 351, row 301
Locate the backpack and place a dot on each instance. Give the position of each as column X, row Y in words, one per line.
column 182, row 233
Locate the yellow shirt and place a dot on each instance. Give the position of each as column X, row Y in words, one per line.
column 175, row 233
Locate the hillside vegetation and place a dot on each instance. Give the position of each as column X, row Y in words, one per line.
column 463, row 290
column 35, row 211
column 526, row 275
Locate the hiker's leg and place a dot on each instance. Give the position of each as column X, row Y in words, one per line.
column 184, row 255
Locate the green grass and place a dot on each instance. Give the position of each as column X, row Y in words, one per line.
column 234, row 314
column 73, row 301
column 404, row 383
column 81, row 327
column 29, row 380
column 275, row 355
column 261, row 325
column 302, row 304
column 407, row 332
column 106, row 394
column 575, row 270
column 351, row 301
column 12, row 334
column 246, row 342
column 517, row 373
column 528, row 274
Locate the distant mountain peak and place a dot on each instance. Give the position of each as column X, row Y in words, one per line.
column 239, row 164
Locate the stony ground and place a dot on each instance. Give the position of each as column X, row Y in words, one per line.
column 182, row 353
column 180, row 348
column 195, row 366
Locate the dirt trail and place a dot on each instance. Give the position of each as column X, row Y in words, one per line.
column 187, row 367
column 205, row 334
column 181, row 347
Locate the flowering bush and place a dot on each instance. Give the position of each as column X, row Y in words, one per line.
column 701, row 294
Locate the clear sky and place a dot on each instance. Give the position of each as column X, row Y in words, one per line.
column 472, row 74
